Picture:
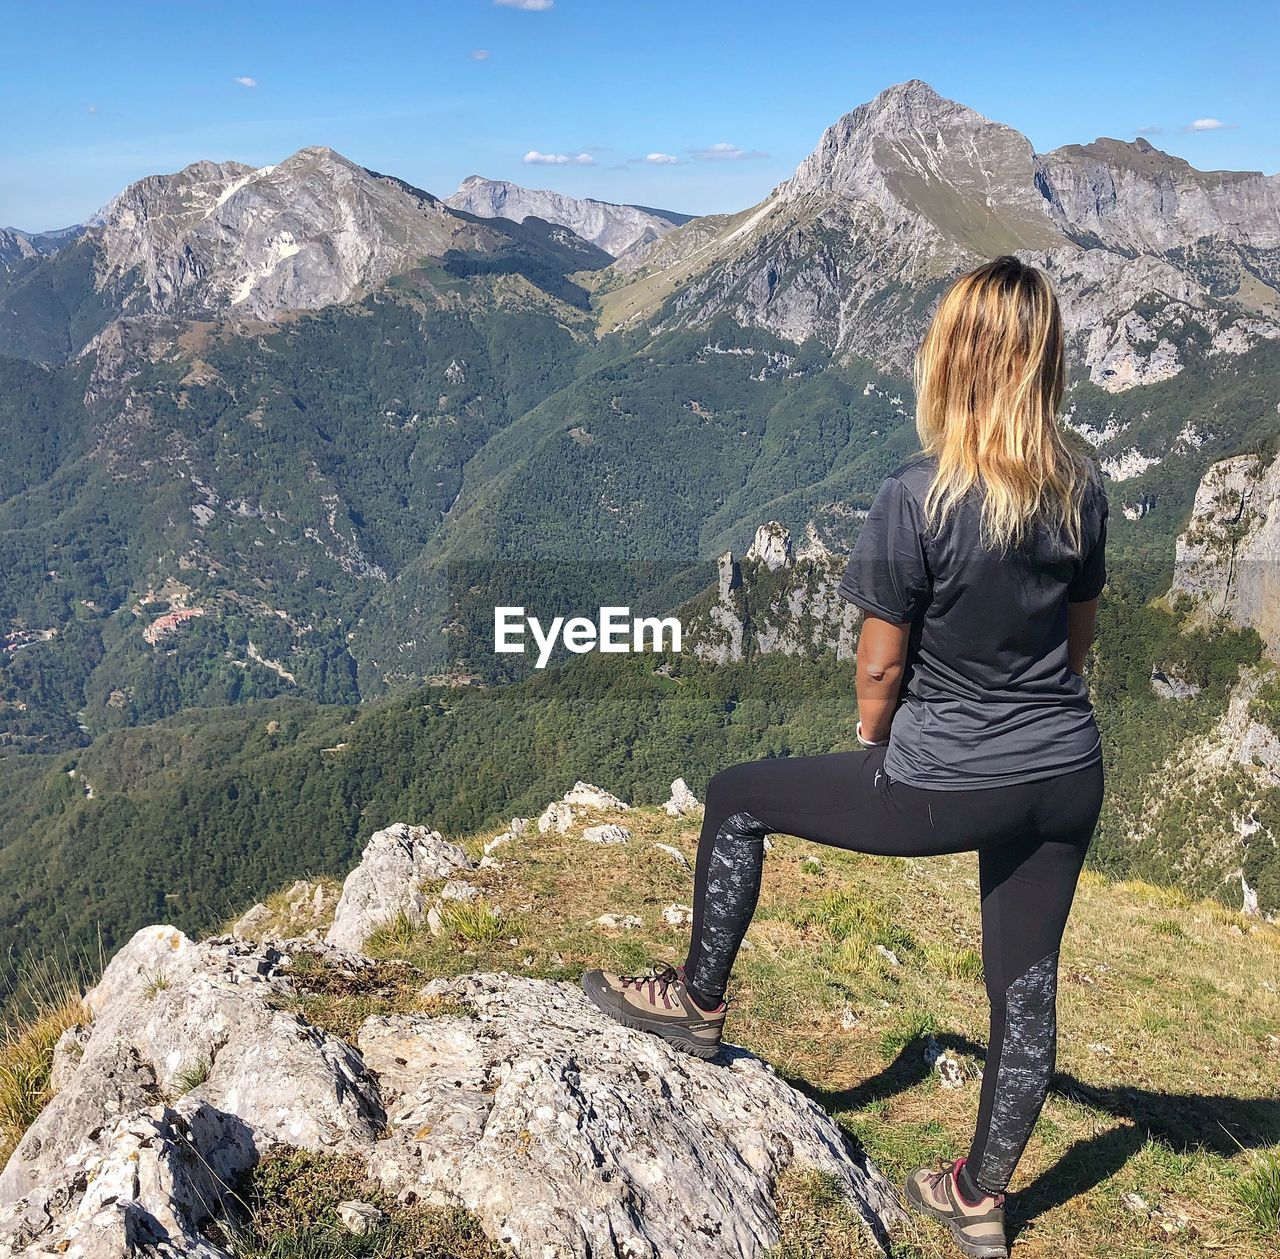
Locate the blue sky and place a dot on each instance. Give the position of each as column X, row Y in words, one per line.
column 97, row 95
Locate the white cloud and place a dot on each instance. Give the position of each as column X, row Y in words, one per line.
column 662, row 159
column 91, row 109
column 246, row 81
column 1150, row 130
column 723, row 152
column 534, row 158
column 480, row 54
column 529, row 6
column 1209, row 124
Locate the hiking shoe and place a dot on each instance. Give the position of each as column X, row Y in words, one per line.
column 978, row 1232
column 657, row 1002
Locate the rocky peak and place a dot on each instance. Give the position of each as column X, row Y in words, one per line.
column 771, row 546
column 775, row 601
column 1133, row 196
column 613, row 228
column 309, row 231
column 913, row 153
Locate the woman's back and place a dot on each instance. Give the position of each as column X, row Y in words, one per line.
column 989, row 698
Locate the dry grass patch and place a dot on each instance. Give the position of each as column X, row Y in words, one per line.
column 46, row 1003
column 1168, row 1010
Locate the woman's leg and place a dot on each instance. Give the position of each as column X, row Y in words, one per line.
column 845, row 800
column 1027, row 890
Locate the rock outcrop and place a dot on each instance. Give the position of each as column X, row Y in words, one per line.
column 388, row 880
column 682, row 800
column 1227, row 561
column 183, row 1049
column 775, row 601
column 565, row 1134
column 579, row 801
column 568, row 1135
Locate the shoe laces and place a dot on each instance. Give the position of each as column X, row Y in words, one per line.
column 660, row 978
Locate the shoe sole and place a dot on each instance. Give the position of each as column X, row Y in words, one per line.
column 685, row 1044
column 974, row 1250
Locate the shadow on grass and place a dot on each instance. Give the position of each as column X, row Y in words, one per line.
column 1186, row 1123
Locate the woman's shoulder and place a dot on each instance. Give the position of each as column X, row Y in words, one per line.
column 915, row 474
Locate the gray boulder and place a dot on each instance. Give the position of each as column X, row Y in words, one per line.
column 387, row 882
column 682, row 800
column 147, row 1184
column 176, row 1021
column 571, row 1136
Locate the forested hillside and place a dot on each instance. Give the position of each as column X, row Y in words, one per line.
column 188, row 819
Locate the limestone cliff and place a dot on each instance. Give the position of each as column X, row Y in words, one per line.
column 775, row 600
column 1227, row 560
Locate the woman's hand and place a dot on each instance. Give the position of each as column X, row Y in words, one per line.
column 882, row 656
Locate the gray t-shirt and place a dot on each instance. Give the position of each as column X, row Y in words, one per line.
column 987, row 698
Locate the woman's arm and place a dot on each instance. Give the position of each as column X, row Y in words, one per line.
column 882, row 655
column 1082, row 619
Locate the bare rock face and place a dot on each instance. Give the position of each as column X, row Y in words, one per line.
column 134, row 1188
column 771, row 547
column 571, row 1136
column 613, row 228
column 1228, row 560
column 186, row 1053
column 307, row 232
column 776, row 601
column 387, row 882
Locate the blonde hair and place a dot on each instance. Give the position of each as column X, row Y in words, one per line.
column 989, row 376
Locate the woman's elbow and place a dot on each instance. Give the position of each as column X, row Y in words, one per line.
column 881, row 669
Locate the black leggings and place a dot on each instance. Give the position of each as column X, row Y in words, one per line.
column 1031, row 839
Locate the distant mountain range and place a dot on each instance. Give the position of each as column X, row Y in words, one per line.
column 258, row 419
column 620, row 230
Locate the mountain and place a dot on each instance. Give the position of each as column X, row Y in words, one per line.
column 1148, row 254
column 16, row 245
column 228, row 240
column 617, row 229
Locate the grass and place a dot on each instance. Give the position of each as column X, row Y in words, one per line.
column 192, row 1076
column 291, row 1212
column 46, row 1003
column 1258, row 1190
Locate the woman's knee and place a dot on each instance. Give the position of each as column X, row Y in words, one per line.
column 728, row 791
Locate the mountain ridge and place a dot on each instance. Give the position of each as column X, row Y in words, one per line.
column 618, row 229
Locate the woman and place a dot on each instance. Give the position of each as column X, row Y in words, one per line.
column 978, row 568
